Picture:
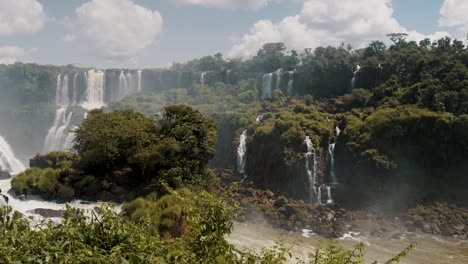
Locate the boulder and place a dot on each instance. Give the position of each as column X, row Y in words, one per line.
column 118, row 191
column 4, row 175
column 47, row 213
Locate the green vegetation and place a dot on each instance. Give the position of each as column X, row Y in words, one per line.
column 440, row 219
column 125, row 149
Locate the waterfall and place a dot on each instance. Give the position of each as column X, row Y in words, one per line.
column 379, row 74
column 329, row 195
column 290, row 90
column 319, row 195
column 337, row 131
column 57, row 134
column 259, row 118
column 227, row 75
column 139, row 81
column 94, row 90
column 279, row 74
column 61, row 91
column 266, row 92
column 75, row 95
column 353, row 80
column 331, row 150
column 311, row 170
column 202, row 78
column 241, row 151
column 128, row 83
column 8, row 161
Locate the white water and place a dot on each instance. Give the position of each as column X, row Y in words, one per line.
column 266, row 91
column 202, row 79
column 55, row 139
column 429, row 249
column 329, row 195
column 279, row 74
column 26, row 206
column 8, row 161
column 75, row 92
column 241, row 151
column 139, row 81
column 331, row 150
column 353, row 80
column 259, row 118
column 228, row 72
column 290, row 90
column 94, row 90
column 311, row 170
column 319, row 195
column 337, row 131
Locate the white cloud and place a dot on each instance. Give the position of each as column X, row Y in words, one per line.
column 321, row 23
column 21, row 17
column 454, row 13
column 10, row 54
column 119, row 29
column 69, row 37
column 225, row 4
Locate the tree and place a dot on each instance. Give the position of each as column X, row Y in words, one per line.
column 105, row 141
column 397, row 38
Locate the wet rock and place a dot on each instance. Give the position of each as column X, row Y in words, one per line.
column 118, row 191
column 4, row 175
column 105, row 196
column 47, row 213
column 397, row 236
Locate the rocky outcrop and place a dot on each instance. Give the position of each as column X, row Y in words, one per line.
column 47, row 213
column 440, row 219
column 288, row 214
column 4, row 174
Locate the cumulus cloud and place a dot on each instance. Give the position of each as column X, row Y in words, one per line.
column 321, row 23
column 69, row 37
column 21, row 17
column 454, row 13
column 225, row 4
column 119, row 29
column 9, row 54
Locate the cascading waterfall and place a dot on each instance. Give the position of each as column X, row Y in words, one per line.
column 259, row 118
column 8, row 161
column 329, row 195
column 202, row 79
column 266, row 91
column 128, row 83
column 311, row 170
column 241, row 151
column 228, row 72
column 331, row 150
column 55, row 139
column 337, row 131
column 290, row 90
column 379, row 74
column 94, row 90
column 353, row 80
column 279, row 74
column 319, row 195
column 75, row 92
column 123, row 85
column 139, row 81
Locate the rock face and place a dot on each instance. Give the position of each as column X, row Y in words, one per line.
column 4, row 175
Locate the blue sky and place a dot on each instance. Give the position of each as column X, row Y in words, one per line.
column 155, row 33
